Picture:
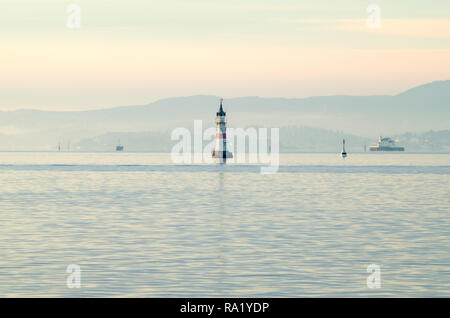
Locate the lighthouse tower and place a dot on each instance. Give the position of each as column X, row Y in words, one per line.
column 220, row 150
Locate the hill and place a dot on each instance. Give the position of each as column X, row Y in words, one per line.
column 419, row 109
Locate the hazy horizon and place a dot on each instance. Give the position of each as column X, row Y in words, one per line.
column 419, row 117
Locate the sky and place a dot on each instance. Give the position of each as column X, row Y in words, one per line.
column 137, row 51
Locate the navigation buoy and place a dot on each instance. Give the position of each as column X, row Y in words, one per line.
column 343, row 153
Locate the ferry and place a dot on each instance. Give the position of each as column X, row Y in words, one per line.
column 386, row 144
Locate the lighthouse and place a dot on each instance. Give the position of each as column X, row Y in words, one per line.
column 220, row 150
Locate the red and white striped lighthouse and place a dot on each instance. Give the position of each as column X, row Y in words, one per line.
column 220, row 150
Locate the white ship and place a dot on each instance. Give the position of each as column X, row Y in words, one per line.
column 386, row 144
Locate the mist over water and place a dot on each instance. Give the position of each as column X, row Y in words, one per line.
column 140, row 226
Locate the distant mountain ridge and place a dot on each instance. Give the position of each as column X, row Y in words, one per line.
column 420, row 109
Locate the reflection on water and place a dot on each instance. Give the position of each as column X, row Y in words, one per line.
column 154, row 229
column 221, row 252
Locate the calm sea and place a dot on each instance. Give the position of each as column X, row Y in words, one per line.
column 138, row 225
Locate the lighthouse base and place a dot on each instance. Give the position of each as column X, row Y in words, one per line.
column 221, row 154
